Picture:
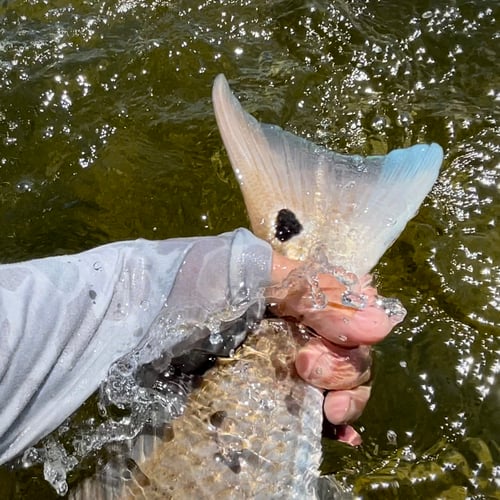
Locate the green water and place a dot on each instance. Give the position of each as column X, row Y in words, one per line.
column 107, row 133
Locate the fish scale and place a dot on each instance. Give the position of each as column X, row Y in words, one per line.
column 251, row 415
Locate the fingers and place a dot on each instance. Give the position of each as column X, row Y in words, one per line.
column 349, row 326
column 339, row 323
column 347, row 434
column 331, row 367
column 341, row 407
column 340, row 370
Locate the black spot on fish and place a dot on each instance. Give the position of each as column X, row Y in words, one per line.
column 217, row 418
column 231, row 459
column 135, row 471
column 161, row 430
column 287, row 225
column 292, row 406
column 280, row 367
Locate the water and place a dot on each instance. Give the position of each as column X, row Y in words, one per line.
column 107, row 133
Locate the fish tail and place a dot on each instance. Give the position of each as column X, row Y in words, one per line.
column 300, row 195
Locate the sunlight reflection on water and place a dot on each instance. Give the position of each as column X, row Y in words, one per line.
column 107, row 133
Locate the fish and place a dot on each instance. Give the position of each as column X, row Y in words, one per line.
column 253, row 428
column 250, row 431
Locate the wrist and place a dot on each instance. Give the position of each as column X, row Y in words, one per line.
column 281, row 267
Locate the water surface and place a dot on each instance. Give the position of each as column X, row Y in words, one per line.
column 107, row 133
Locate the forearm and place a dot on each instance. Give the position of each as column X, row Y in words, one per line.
column 65, row 320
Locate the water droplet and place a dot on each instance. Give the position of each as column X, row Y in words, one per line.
column 318, row 299
column 392, row 307
column 144, row 305
column 404, row 119
column 347, row 279
column 215, row 338
column 354, row 300
column 392, row 437
column 31, row 457
column 97, row 266
column 24, row 186
column 379, row 123
column 125, row 367
column 318, row 255
column 342, row 338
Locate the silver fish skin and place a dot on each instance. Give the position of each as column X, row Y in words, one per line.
column 251, row 431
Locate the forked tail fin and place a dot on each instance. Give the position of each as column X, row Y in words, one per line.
column 300, row 195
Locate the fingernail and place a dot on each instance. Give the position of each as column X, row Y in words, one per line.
column 337, row 408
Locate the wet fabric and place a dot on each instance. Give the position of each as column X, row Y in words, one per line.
column 65, row 320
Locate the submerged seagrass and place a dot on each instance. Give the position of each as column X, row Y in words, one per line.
column 252, row 430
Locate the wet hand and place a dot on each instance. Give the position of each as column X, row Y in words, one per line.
column 339, row 358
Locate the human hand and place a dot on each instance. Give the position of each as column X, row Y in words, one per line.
column 339, row 358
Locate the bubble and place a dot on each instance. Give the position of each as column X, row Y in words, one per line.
column 392, row 307
column 404, row 119
column 56, row 465
column 392, row 437
column 379, row 123
column 25, row 186
column 354, row 299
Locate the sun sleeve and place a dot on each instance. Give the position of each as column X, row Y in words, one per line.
column 65, row 320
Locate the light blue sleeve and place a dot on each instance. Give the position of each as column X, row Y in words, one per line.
column 64, row 320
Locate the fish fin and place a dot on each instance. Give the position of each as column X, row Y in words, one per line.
column 300, row 195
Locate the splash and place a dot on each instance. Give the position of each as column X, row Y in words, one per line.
column 306, row 279
column 125, row 409
column 145, row 389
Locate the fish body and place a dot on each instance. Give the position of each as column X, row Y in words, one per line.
column 253, row 430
